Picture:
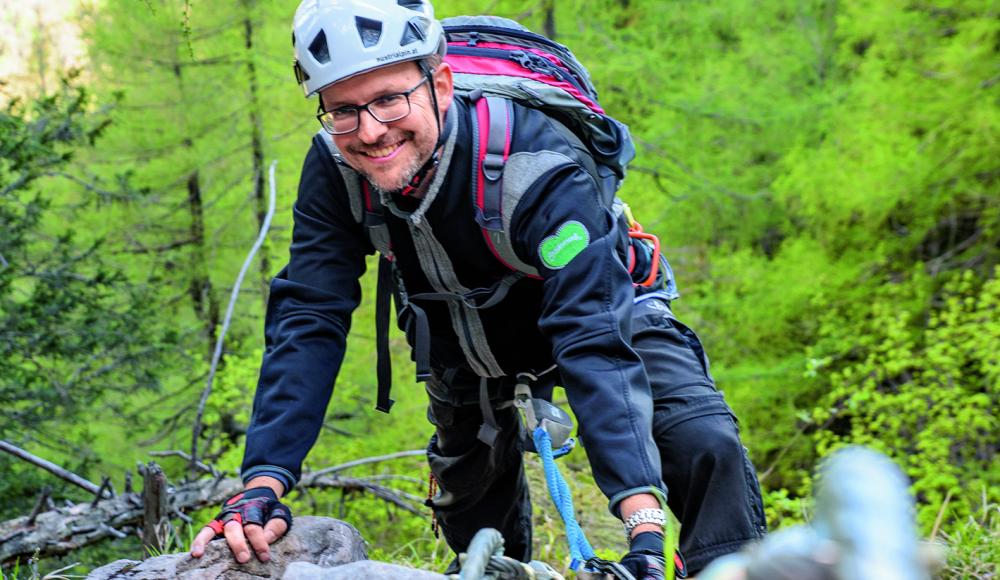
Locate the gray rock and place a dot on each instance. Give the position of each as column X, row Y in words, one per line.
column 366, row 569
column 314, row 540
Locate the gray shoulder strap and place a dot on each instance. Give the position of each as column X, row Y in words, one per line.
column 373, row 221
column 520, row 172
column 351, row 178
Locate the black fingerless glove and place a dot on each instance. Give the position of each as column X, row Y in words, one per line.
column 252, row 506
column 645, row 558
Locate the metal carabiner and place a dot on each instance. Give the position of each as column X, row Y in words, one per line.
column 540, row 413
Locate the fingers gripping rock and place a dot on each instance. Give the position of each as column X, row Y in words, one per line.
column 253, row 506
column 321, row 541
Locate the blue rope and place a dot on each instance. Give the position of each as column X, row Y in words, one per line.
column 579, row 548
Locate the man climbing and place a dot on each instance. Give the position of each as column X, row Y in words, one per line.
column 540, row 283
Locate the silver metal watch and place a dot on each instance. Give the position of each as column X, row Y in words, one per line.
column 644, row 516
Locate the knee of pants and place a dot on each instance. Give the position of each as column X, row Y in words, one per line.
column 712, row 438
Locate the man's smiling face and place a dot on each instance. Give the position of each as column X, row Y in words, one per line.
column 390, row 154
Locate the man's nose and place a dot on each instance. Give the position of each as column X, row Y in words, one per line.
column 370, row 129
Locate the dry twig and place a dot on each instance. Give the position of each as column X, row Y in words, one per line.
column 52, row 468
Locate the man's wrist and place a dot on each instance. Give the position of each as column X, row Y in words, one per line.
column 632, row 505
column 267, row 481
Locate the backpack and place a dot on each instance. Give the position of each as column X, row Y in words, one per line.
column 497, row 61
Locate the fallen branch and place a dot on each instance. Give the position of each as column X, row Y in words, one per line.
column 54, row 469
column 62, row 530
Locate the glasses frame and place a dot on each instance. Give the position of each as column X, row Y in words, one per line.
column 367, row 107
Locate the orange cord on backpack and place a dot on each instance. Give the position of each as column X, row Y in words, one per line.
column 635, row 231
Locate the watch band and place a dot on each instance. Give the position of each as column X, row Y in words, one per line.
column 644, row 516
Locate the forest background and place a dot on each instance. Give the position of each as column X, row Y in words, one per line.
column 824, row 176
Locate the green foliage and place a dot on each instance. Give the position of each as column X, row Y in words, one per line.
column 923, row 391
column 823, row 176
column 72, row 325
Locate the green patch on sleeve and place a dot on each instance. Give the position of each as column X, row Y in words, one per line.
column 561, row 247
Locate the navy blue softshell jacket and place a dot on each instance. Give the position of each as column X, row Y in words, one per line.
column 577, row 316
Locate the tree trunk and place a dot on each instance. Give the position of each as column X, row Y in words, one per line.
column 206, row 307
column 154, row 512
column 200, row 286
column 550, row 19
column 257, row 142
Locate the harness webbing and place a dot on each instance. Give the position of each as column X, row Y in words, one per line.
column 489, row 430
column 383, row 367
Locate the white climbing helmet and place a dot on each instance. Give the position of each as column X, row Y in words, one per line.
column 337, row 39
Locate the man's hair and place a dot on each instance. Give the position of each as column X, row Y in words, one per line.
column 433, row 61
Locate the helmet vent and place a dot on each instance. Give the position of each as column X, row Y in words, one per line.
column 319, row 48
column 417, row 5
column 415, row 31
column 369, row 30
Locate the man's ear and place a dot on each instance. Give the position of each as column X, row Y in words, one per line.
column 444, row 86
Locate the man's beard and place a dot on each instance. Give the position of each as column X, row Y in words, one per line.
column 414, row 165
column 409, row 172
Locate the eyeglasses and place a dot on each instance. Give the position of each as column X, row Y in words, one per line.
column 384, row 109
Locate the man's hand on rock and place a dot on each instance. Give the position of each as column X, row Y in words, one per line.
column 254, row 515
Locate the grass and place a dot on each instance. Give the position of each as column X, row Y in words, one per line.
column 974, row 546
column 32, row 573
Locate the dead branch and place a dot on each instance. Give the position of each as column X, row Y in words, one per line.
column 43, row 501
column 155, row 508
column 105, row 486
column 264, row 227
column 161, row 248
column 382, row 492
column 177, row 453
column 61, row 530
column 363, row 461
column 337, row 430
column 52, row 468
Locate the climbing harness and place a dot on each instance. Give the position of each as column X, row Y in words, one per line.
column 550, row 427
column 547, row 433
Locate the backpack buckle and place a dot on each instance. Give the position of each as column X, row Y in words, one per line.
column 493, row 166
